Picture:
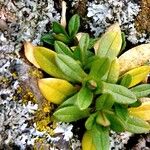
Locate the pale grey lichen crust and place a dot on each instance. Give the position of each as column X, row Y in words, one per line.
column 105, row 12
column 29, row 22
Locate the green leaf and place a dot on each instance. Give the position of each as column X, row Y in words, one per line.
column 48, row 38
column 121, row 94
column 99, row 68
column 141, row 90
column 90, row 61
column 105, row 101
column 136, row 104
column 70, row 114
column 121, row 111
column 74, row 24
column 62, row 37
column 137, row 125
column 109, row 44
column 101, row 119
column 117, row 124
column 76, row 53
column 126, row 80
column 83, row 45
column 62, row 48
column 90, row 121
column 70, row 67
column 113, row 73
column 46, row 60
column 92, row 42
column 84, row 98
column 70, row 101
column 58, row 28
column 123, row 41
column 100, row 137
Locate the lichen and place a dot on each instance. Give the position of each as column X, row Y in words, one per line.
column 105, row 12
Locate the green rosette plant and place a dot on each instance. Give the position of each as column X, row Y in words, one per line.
column 91, row 79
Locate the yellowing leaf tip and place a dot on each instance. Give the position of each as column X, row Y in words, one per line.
column 28, row 51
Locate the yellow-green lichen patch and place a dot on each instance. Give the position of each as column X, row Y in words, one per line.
column 27, row 96
column 44, row 120
column 35, row 73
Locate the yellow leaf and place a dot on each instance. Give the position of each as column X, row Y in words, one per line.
column 46, row 60
column 138, row 74
column 142, row 111
column 134, row 57
column 87, row 142
column 28, row 51
column 55, row 90
column 110, row 43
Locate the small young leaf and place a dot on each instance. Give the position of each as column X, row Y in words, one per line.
column 138, row 74
column 62, row 37
column 46, row 60
column 109, row 44
column 55, row 90
column 84, row 98
column 70, row 101
column 142, row 111
column 70, row 114
column 83, row 45
column 99, row 68
column 123, row 41
column 116, row 123
column 126, row 80
column 73, row 26
column 137, row 125
column 90, row 121
column 48, row 38
column 121, row 94
column 102, row 119
column 70, row 67
column 58, row 28
column 113, row 72
column 136, row 104
column 62, row 48
column 105, row 101
column 141, row 90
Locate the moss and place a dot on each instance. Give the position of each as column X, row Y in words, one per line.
column 143, row 19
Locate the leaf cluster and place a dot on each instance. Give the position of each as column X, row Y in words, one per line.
column 59, row 33
column 90, row 84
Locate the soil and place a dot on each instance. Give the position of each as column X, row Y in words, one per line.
column 143, row 19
